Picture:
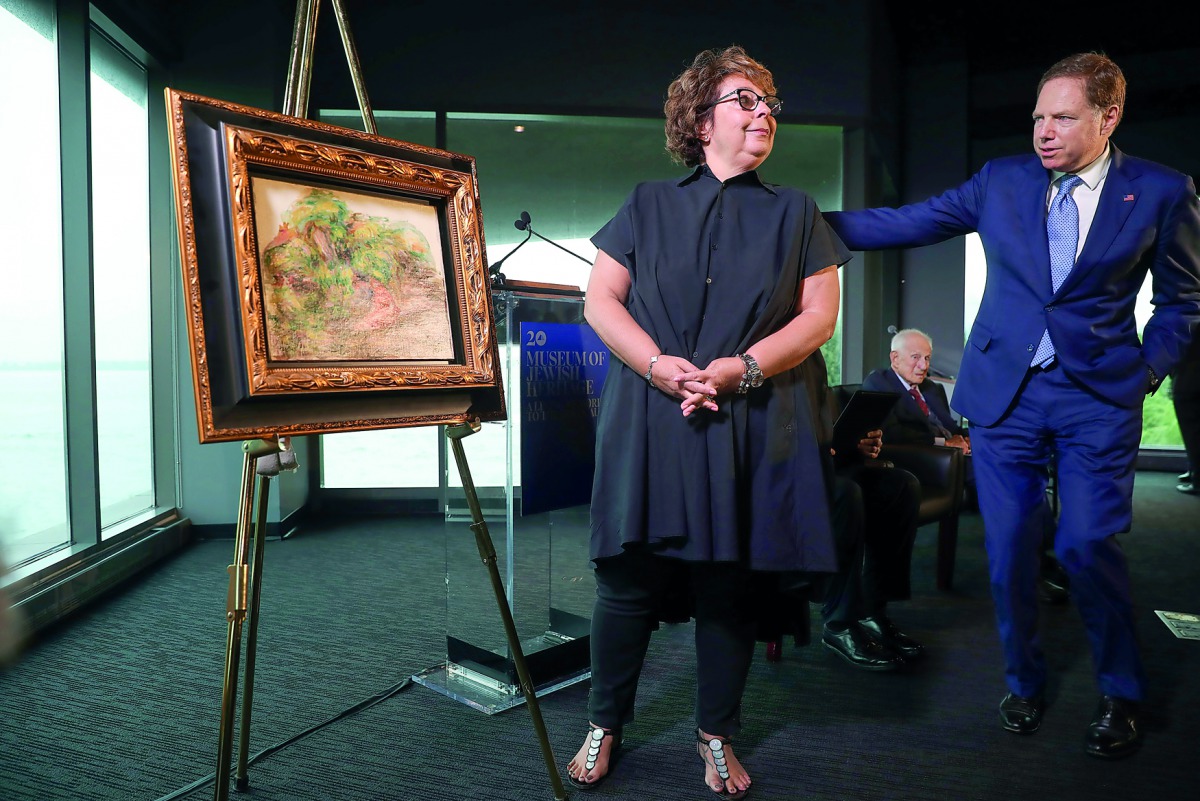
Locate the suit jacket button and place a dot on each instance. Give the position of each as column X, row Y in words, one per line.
column 1029, row 347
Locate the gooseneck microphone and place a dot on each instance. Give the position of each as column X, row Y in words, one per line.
column 498, row 278
column 523, row 224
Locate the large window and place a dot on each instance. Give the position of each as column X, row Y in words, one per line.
column 121, row 267
column 76, row 433
column 33, row 487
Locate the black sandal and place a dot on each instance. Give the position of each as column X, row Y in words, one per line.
column 716, row 750
column 596, row 737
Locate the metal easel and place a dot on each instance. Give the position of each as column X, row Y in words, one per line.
column 242, row 601
column 245, row 574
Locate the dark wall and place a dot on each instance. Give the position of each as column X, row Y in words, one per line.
column 591, row 57
column 588, row 56
column 536, row 56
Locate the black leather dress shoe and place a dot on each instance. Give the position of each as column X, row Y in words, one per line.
column 1022, row 715
column 1187, row 487
column 1053, row 585
column 1114, row 731
column 1051, row 593
column 1185, row 478
column 859, row 649
column 884, row 631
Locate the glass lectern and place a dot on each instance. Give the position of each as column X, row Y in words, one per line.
column 543, row 555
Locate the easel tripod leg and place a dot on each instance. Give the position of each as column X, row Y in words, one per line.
column 241, row 780
column 487, row 552
column 235, row 614
column 235, row 611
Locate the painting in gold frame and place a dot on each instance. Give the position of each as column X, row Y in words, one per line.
column 333, row 280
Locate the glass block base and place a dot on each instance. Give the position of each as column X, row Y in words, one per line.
column 483, row 692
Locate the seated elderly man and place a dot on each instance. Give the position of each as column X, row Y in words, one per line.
column 922, row 414
column 874, row 514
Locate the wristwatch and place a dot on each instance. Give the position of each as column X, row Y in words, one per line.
column 752, row 377
column 1154, row 379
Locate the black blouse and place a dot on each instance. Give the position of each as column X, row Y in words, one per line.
column 714, row 267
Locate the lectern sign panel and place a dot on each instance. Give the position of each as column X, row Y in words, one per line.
column 563, row 366
column 333, row 280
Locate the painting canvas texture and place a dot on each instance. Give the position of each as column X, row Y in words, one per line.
column 350, row 277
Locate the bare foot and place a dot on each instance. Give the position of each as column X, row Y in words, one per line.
column 578, row 768
column 738, row 782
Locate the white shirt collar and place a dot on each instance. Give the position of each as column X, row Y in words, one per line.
column 1092, row 174
column 907, row 385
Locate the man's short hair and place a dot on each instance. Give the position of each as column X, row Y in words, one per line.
column 903, row 334
column 1103, row 81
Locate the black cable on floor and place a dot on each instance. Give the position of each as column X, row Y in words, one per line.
column 359, row 707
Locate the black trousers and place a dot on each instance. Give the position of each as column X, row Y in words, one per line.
column 874, row 515
column 630, row 590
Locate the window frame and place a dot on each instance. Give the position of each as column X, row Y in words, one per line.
column 44, row 584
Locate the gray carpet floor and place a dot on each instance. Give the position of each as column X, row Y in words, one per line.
column 122, row 700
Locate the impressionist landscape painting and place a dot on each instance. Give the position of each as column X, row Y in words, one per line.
column 349, row 277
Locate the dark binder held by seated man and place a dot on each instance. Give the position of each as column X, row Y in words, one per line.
column 865, row 411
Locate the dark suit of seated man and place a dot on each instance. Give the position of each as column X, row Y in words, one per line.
column 874, row 514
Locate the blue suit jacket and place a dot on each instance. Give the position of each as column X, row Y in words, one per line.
column 1148, row 219
column 906, row 423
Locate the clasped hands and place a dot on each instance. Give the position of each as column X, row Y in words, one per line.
column 694, row 387
column 961, row 442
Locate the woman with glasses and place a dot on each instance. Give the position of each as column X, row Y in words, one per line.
column 710, row 290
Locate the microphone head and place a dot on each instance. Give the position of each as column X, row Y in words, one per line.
column 522, row 223
column 519, row 225
column 891, row 329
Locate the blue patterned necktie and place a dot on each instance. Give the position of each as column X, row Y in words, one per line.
column 1062, row 229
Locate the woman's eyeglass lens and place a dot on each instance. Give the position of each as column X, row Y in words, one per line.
column 748, row 99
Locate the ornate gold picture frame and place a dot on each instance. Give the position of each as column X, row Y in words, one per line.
column 333, row 280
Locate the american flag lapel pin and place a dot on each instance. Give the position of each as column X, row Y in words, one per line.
column 1128, row 198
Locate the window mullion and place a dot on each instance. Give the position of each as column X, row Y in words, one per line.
column 79, row 319
column 165, row 292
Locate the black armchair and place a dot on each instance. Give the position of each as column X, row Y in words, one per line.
column 942, row 474
column 941, row 471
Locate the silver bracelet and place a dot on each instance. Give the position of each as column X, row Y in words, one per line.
column 752, row 376
column 650, row 370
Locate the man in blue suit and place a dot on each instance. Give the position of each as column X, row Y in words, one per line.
column 1054, row 368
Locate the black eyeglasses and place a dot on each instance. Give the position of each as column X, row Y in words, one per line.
column 748, row 99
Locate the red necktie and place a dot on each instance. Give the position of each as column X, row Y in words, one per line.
column 916, row 393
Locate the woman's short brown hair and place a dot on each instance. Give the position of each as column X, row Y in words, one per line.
column 695, row 88
column 1103, row 81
